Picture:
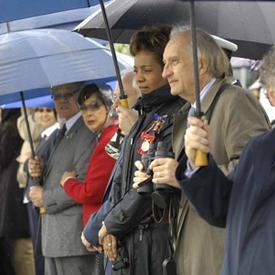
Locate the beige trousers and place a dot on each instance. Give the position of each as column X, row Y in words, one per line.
column 23, row 256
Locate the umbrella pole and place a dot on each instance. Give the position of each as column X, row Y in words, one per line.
column 123, row 96
column 201, row 157
column 27, row 123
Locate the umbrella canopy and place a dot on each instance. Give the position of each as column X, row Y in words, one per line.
column 42, row 101
column 18, row 9
column 65, row 20
column 49, row 57
column 248, row 24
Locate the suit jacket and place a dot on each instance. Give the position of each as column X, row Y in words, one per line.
column 235, row 118
column 244, row 202
column 62, row 223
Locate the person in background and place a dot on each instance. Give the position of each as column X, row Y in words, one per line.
column 62, row 221
column 14, row 230
column 127, row 118
column 244, row 201
column 35, row 130
column 234, row 116
column 47, row 118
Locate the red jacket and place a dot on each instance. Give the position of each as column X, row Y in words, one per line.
column 90, row 193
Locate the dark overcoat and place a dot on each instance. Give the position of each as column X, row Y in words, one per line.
column 244, row 202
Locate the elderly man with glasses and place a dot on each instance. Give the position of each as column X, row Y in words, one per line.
column 61, row 225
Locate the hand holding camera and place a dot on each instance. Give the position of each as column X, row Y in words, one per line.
column 160, row 167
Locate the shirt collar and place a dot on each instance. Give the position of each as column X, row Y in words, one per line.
column 47, row 132
column 70, row 122
column 205, row 91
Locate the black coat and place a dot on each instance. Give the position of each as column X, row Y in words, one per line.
column 13, row 214
column 244, row 203
column 130, row 220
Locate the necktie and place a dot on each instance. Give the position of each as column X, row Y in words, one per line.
column 60, row 134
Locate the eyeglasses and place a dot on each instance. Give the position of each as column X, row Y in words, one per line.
column 47, row 110
column 93, row 106
column 60, row 96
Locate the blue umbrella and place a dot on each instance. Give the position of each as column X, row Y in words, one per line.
column 66, row 20
column 18, row 9
column 40, row 101
column 49, row 57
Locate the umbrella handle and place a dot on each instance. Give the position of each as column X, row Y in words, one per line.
column 124, row 102
column 201, row 159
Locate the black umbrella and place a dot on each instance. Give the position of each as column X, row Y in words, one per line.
column 249, row 24
column 201, row 159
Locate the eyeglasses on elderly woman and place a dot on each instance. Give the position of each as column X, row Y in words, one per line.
column 93, row 106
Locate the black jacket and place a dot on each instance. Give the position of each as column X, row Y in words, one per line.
column 13, row 213
column 130, row 220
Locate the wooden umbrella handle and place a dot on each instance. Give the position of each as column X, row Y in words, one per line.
column 201, row 159
column 124, row 102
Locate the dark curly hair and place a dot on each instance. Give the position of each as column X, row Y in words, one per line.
column 152, row 38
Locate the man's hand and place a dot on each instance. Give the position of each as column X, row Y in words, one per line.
column 196, row 138
column 110, row 247
column 66, row 175
column 139, row 175
column 35, row 167
column 89, row 246
column 36, row 195
column 164, row 170
column 126, row 119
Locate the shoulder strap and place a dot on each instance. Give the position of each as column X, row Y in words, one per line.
column 213, row 104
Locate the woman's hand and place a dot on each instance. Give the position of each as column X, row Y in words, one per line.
column 110, row 247
column 164, row 170
column 139, row 175
column 66, row 175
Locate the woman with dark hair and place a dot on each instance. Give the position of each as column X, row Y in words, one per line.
column 144, row 242
column 95, row 105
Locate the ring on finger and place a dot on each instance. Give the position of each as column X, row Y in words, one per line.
column 109, row 244
column 158, row 174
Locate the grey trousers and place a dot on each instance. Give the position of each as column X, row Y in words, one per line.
column 77, row 265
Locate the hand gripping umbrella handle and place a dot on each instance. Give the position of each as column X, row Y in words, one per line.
column 201, row 159
column 124, row 101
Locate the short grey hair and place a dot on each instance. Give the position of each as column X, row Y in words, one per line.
column 267, row 70
column 77, row 86
column 218, row 63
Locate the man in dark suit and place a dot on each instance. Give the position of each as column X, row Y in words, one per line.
column 62, row 221
column 244, row 201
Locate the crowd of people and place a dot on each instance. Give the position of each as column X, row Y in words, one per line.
column 116, row 190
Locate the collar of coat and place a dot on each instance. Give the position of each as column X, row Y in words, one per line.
column 209, row 97
column 147, row 102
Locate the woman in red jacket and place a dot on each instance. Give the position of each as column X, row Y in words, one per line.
column 95, row 105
